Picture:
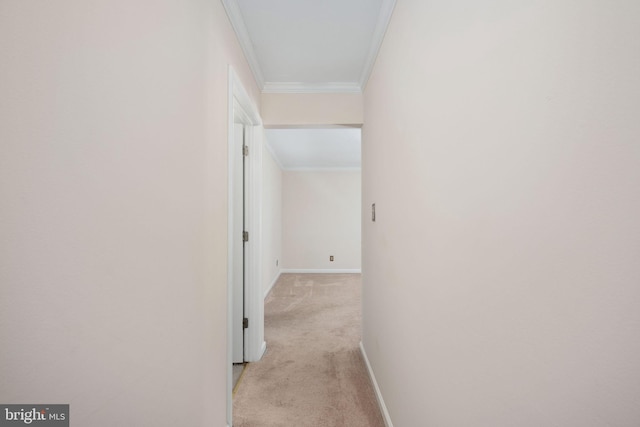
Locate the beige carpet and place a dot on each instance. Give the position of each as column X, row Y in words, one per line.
column 313, row 374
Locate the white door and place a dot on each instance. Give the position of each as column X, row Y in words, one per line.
column 238, row 246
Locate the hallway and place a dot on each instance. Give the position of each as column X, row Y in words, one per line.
column 313, row 373
column 499, row 209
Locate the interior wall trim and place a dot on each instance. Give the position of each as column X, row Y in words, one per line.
column 237, row 22
column 386, row 11
column 241, row 107
column 376, row 388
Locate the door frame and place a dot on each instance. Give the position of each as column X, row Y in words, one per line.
column 237, row 252
column 241, row 109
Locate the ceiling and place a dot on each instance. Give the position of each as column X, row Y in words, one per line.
column 308, row 46
column 332, row 148
column 311, row 46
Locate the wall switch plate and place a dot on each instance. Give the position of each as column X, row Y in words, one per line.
column 373, row 212
column 330, row 257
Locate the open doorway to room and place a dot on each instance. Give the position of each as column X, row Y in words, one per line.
column 245, row 303
column 311, row 263
column 321, row 197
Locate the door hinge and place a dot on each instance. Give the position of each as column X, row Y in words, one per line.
column 245, row 150
column 245, row 323
column 245, row 236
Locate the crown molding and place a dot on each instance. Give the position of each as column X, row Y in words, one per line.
column 295, row 87
column 386, row 10
column 237, row 22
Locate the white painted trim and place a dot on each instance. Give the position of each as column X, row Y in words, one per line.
column 376, row 388
column 321, row 270
column 241, row 107
column 230, row 250
column 237, row 91
column 273, row 283
column 240, row 28
column 263, row 349
column 254, row 302
column 297, row 87
column 386, row 10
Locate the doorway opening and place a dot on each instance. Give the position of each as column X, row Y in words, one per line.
column 240, row 240
column 245, row 306
column 321, row 197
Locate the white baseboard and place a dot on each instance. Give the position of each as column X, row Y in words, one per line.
column 383, row 407
column 263, row 349
column 321, row 270
column 266, row 293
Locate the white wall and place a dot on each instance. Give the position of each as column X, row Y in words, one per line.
column 321, row 217
column 113, row 181
column 271, row 219
column 501, row 147
column 281, row 109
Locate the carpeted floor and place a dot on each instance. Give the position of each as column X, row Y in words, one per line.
column 312, row 374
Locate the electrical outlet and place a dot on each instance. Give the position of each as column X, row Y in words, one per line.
column 330, row 257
